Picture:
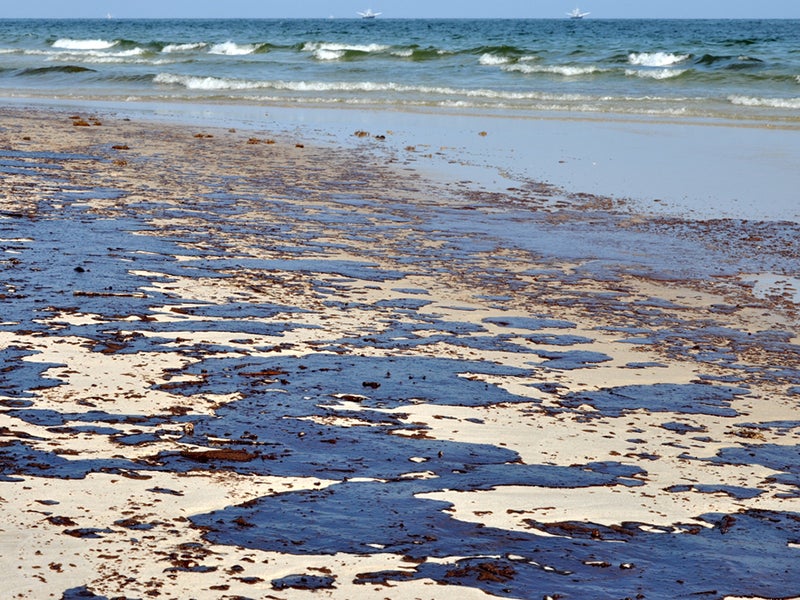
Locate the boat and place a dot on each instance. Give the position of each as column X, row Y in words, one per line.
column 368, row 14
column 576, row 14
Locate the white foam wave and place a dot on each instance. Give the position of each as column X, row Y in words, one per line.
column 169, row 48
column 665, row 73
column 331, row 47
column 220, row 83
column 323, row 54
column 97, row 53
column 328, row 51
column 791, row 103
column 382, row 101
column 655, row 59
column 232, row 49
column 565, row 70
column 207, row 83
column 69, row 44
column 33, row 52
column 404, row 53
column 567, row 103
column 109, row 60
column 126, row 53
column 493, row 59
column 97, row 57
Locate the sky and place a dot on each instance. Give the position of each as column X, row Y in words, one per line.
column 678, row 9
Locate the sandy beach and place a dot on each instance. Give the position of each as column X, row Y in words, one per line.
column 239, row 363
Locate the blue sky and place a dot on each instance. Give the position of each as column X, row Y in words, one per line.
column 402, row 8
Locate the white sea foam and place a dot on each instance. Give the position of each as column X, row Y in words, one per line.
column 404, row 53
column 656, row 59
column 222, row 83
column 565, row 70
column 208, row 83
column 329, row 51
column 791, row 103
column 383, row 101
column 665, row 73
column 33, row 52
column 325, row 54
column 111, row 60
column 69, row 44
column 132, row 56
column 123, row 54
column 232, row 49
column 98, row 53
column 315, row 46
column 169, row 48
column 494, row 59
column 448, row 94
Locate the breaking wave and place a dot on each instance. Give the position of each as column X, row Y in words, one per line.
column 170, row 48
column 221, row 83
column 332, row 51
column 564, row 70
column 403, row 52
column 365, row 48
column 656, row 59
column 493, row 59
column 70, row 44
column 790, row 103
column 207, row 83
column 665, row 73
column 500, row 65
column 323, row 54
column 233, row 49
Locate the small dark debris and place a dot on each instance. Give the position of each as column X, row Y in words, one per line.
column 61, row 521
column 304, row 582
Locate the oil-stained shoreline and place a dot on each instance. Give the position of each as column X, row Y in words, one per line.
column 244, row 366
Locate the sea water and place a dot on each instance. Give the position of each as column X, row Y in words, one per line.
column 728, row 69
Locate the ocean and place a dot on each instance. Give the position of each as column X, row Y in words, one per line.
column 740, row 70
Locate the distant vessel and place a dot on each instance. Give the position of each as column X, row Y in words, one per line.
column 368, row 14
column 576, row 14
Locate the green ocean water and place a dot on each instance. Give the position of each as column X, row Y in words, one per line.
column 728, row 69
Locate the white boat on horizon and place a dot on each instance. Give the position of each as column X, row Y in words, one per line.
column 368, row 14
column 576, row 13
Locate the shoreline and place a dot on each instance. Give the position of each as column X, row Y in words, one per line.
column 693, row 169
column 239, row 363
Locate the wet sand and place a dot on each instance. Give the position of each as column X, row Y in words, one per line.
column 241, row 364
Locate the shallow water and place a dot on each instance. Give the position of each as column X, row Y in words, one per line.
column 696, row 169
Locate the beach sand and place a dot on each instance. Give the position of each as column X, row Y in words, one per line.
column 238, row 364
